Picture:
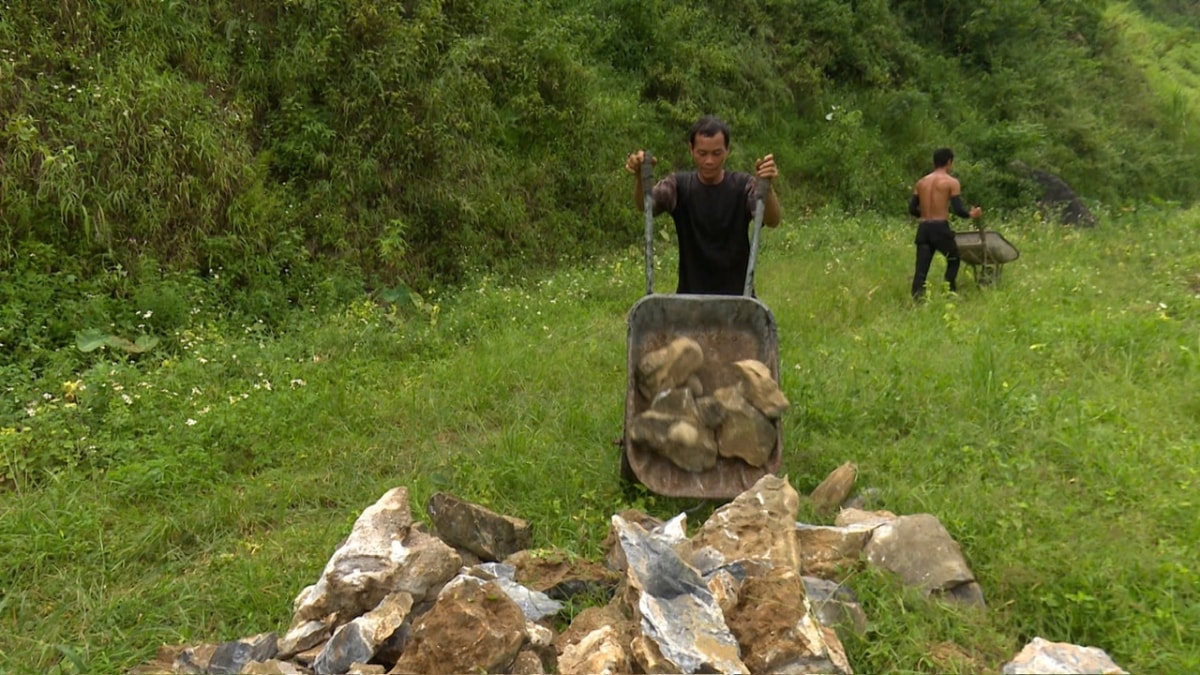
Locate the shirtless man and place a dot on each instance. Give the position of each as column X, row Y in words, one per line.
column 934, row 196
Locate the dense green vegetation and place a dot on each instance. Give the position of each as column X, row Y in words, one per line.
column 261, row 261
column 418, row 140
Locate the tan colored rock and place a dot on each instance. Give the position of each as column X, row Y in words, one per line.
column 308, row 656
column 681, row 441
column 834, row 490
column 761, row 389
column 540, row 642
column 593, row 619
column 831, row 552
column 669, row 367
column 527, row 663
column 776, row 632
column 559, row 574
column 649, row 658
column 745, row 433
column 923, row 554
column 725, row 588
column 383, row 554
column 847, row 517
column 305, row 636
column 471, row 627
column 598, row 652
column 758, row 525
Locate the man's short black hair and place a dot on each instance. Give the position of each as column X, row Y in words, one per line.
column 942, row 157
column 708, row 126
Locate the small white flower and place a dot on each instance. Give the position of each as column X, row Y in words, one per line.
column 191, row 422
column 125, row 397
column 298, row 383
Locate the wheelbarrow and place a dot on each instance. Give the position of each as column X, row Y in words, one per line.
column 986, row 252
column 728, row 328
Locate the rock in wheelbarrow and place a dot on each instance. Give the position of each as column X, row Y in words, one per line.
column 761, row 390
column 745, row 432
column 684, row 441
column 669, row 367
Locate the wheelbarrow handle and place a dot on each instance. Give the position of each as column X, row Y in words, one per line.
column 648, row 208
column 761, row 186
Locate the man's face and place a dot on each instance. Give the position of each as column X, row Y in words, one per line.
column 709, row 153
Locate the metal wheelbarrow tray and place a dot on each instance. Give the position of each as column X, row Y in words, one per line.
column 986, row 251
column 728, row 328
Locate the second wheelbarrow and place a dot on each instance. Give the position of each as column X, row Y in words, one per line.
column 986, row 252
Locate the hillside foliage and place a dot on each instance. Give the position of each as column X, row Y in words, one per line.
column 416, row 141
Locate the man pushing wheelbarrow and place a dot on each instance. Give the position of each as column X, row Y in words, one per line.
column 702, row 404
column 934, row 197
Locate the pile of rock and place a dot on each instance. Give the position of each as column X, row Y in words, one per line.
column 753, row 591
column 692, row 427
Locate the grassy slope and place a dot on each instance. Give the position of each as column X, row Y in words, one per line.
column 1048, row 423
column 1168, row 56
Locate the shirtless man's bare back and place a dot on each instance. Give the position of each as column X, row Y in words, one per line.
column 934, row 196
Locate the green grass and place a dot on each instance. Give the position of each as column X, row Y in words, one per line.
column 1048, row 422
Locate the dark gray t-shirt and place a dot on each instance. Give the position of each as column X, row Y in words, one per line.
column 712, row 224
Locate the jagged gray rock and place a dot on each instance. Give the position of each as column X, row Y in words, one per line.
column 677, row 610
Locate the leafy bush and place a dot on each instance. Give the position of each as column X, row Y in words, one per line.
column 417, row 141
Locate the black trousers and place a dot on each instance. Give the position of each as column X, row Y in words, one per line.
column 935, row 235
